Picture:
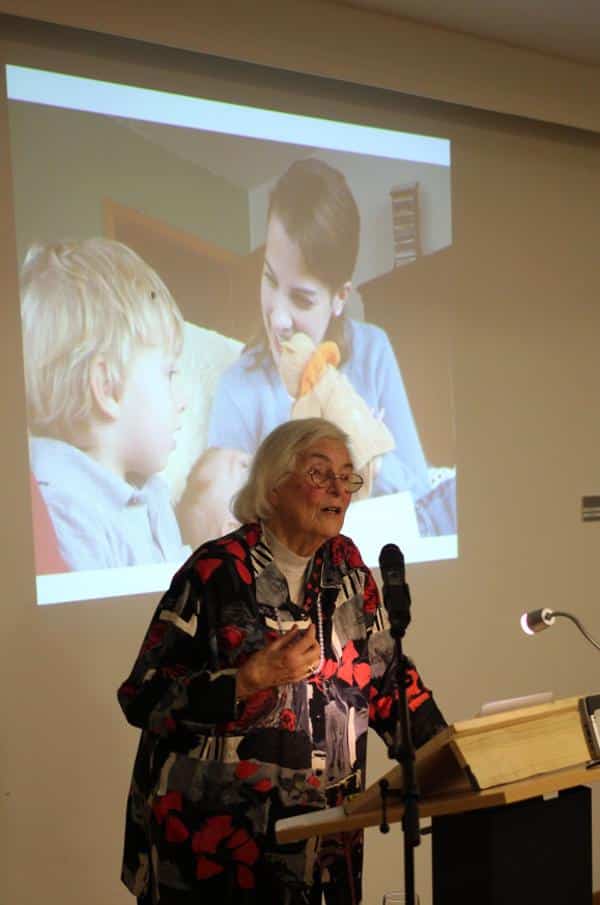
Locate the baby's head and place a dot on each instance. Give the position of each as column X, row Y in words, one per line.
column 94, row 315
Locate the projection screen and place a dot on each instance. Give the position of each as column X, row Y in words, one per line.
column 119, row 188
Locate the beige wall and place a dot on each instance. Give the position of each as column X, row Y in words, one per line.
column 527, row 324
column 341, row 42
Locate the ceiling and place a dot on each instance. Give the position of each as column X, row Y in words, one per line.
column 564, row 28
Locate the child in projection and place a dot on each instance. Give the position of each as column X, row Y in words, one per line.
column 102, row 336
column 310, row 253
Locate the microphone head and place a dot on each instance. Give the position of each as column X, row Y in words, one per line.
column 537, row 621
column 391, row 563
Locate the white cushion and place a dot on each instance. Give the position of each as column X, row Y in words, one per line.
column 206, row 354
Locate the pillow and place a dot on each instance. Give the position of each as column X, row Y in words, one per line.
column 206, row 354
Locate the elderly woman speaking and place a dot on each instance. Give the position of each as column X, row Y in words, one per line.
column 262, row 669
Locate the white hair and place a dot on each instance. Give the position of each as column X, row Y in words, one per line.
column 275, row 458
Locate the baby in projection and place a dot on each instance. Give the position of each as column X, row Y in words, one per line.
column 102, row 336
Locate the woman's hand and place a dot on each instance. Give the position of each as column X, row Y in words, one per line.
column 289, row 658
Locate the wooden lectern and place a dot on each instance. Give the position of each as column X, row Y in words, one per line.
column 510, row 804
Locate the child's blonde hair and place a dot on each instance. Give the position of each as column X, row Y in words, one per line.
column 79, row 300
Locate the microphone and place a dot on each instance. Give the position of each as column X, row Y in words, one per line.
column 396, row 593
column 539, row 620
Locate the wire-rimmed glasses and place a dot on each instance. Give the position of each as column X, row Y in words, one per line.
column 321, row 477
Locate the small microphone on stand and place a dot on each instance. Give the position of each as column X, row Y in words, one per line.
column 539, row 620
column 396, row 593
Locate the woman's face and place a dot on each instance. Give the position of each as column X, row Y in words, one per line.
column 305, row 516
column 292, row 300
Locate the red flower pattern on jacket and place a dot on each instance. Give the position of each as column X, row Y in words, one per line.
column 232, row 635
column 220, row 844
column 416, row 695
column 246, row 769
column 257, row 705
column 350, row 672
column 235, row 549
column 416, row 692
column 253, row 534
column 154, row 637
column 342, row 550
column 380, row 706
column 176, row 831
column 206, row 567
column 287, row 719
column 164, row 804
column 370, row 596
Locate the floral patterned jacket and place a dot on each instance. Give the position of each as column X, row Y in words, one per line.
column 211, row 778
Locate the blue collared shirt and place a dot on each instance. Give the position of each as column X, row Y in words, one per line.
column 102, row 521
column 251, row 401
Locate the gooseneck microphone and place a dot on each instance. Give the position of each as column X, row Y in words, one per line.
column 539, row 620
column 396, row 593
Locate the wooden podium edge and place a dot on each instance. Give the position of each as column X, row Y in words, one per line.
column 510, row 717
column 459, row 759
column 337, row 820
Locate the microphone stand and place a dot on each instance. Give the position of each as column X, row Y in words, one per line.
column 403, row 751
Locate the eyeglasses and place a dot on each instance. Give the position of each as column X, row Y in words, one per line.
column 350, row 481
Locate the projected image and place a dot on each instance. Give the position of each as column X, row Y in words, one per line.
column 102, row 338
column 194, row 273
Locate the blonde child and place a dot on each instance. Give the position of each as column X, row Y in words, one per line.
column 102, row 336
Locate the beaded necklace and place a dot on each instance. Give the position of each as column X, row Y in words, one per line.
column 312, row 595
